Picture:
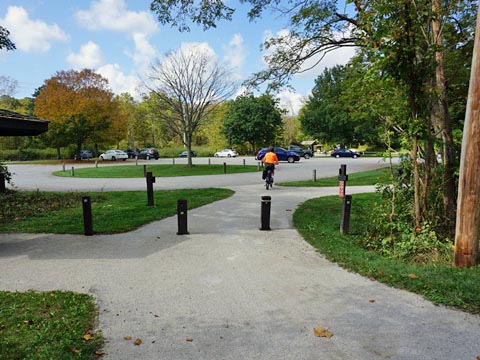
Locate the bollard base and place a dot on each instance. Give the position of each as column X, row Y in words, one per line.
column 266, row 229
column 183, row 233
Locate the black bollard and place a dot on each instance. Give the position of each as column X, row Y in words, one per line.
column 73, row 171
column 346, row 207
column 2, row 183
column 224, row 168
column 150, row 181
column 182, row 217
column 87, row 215
column 265, row 215
column 144, row 170
column 342, row 177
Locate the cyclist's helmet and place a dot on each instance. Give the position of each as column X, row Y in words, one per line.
column 270, row 149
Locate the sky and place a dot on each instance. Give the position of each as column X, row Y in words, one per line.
column 119, row 39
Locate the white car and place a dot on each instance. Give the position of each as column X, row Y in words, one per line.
column 114, row 155
column 226, row 153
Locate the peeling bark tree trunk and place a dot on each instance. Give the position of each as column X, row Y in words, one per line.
column 443, row 125
column 468, row 209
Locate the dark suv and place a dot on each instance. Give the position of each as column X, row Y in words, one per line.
column 302, row 152
column 148, row 154
column 282, row 154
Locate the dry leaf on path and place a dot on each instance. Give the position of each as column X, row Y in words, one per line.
column 99, row 353
column 372, row 300
column 87, row 336
column 372, row 278
column 189, row 339
column 128, row 338
column 319, row 331
column 138, row 342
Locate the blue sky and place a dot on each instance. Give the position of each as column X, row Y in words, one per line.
column 120, row 38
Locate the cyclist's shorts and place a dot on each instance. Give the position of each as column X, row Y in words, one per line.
column 269, row 166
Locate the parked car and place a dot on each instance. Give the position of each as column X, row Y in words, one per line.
column 132, row 153
column 148, row 154
column 338, row 153
column 114, row 155
column 282, row 154
column 85, row 154
column 185, row 153
column 302, row 152
column 226, row 153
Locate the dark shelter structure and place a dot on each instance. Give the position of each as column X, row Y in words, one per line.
column 15, row 124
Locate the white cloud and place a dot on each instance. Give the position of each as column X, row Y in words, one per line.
column 113, row 15
column 90, row 56
column 119, row 82
column 144, row 51
column 291, row 101
column 31, row 35
column 235, row 52
column 194, row 47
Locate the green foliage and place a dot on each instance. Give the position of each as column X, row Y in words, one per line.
column 5, row 42
column 48, row 325
column 34, row 154
column 256, row 120
column 7, row 174
column 392, row 231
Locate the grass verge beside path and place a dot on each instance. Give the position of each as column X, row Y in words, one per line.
column 136, row 171
column 48, row 325
column 318, row 221
column 371, row 177
column 113, row 212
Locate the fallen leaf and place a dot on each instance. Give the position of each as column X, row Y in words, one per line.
column 319, row 331
column 86, row 337
column 412, row 276
column 372, row 300
column 138, row 342
column 18, row 218
column 99, row 353
column 75, row 350
column 189, row 339
column 372, row 278
column 128, row 338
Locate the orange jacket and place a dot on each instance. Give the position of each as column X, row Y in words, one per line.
column 270, row 158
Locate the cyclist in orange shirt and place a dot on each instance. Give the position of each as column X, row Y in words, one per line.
column 270, row 159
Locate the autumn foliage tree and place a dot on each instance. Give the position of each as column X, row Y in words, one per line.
column 80, row 106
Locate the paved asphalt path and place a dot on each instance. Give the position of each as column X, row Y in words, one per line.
column 234, row 291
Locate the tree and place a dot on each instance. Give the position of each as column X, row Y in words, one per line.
column 79, row 105
column 256, row 120
column 5, row 42
column 323, row 117
column 189, row 84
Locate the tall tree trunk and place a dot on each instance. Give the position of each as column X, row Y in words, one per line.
column 444, row 125
column 468, row 210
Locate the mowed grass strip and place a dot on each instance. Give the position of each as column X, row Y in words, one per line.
column 161, row 170
column 372, row 177
column 112, row 212
column 318, row 221
column 48, row 325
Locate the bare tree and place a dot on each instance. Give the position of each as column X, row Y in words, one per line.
column 190, row 83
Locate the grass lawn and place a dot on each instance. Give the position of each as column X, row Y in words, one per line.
column 113, row 212
column 354, row 179
column 136, row 171
column 48, row 325
column 318, row 220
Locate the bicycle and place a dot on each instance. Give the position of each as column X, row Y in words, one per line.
column 269, row 179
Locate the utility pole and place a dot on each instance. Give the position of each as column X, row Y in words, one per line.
column 468, row 204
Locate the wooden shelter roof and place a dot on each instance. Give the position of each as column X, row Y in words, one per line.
column 15, row 124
